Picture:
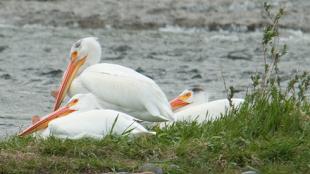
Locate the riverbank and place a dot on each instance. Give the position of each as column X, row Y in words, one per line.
column 244, row 15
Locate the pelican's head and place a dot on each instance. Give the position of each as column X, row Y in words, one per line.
column 192, row 96
column 78, row 103
column 87, row 48
column 83, row 102
column 84, row 53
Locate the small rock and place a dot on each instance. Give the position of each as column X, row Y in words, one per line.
column 249, row 172
column 194, row 71
column 2, row 48
column 93, row 21
column 149, row 76
column 47, row 50
column 198, row 76
column 239, row 55
column 140, row 70
column 54, row 72
column 122, row 48
column 149, row 167
column 6, row 76
column 174, row 166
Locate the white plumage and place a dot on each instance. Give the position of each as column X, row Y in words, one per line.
column 207, row 111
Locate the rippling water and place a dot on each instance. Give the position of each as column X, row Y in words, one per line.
column 32, row 60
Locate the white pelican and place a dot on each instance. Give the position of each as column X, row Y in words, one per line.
column 192, row 105
column 82, row 117
column 115, row 86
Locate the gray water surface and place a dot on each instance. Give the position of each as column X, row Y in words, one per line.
column 33, row 58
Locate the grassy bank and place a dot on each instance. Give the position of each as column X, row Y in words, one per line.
column 270, row 133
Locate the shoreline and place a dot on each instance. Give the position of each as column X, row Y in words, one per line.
column 139, row 14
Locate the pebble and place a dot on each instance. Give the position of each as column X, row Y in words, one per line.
column 149, row 167
column 6, row 76
column 239, row 55
column 2, row 48
column 249, row 172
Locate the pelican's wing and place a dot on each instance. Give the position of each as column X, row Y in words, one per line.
column 118, row 70
column 126, row 88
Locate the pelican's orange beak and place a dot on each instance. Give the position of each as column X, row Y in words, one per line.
column 43, row 123
column 69, row 75
column 178, row 103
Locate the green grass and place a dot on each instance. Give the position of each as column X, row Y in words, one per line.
column 270, row 133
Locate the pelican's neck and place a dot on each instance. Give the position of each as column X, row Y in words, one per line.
column 94, row 56
column 86, row 102
column 200, row 97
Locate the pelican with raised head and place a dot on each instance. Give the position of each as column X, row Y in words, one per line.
column 82, row 117
column 115, row 86
column 192, row 105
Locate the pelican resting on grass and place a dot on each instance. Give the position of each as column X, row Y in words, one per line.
column 114, row 86
column 192, row 105
column 82, row 117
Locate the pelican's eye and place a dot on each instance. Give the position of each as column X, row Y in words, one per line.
column 77, row 44
column 188, row 94
column 74, row 55
column 73, row 102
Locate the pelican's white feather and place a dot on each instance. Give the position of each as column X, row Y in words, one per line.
column 207, row 111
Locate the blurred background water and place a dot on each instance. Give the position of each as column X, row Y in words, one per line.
column 172, row 42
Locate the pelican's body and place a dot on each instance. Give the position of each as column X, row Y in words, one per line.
column 115, row 86
column 192, row 105
column 209, row 111
column 82, row 117
column 118, row 87
column 93, row 124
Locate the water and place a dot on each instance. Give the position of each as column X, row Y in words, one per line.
column 33, row 58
